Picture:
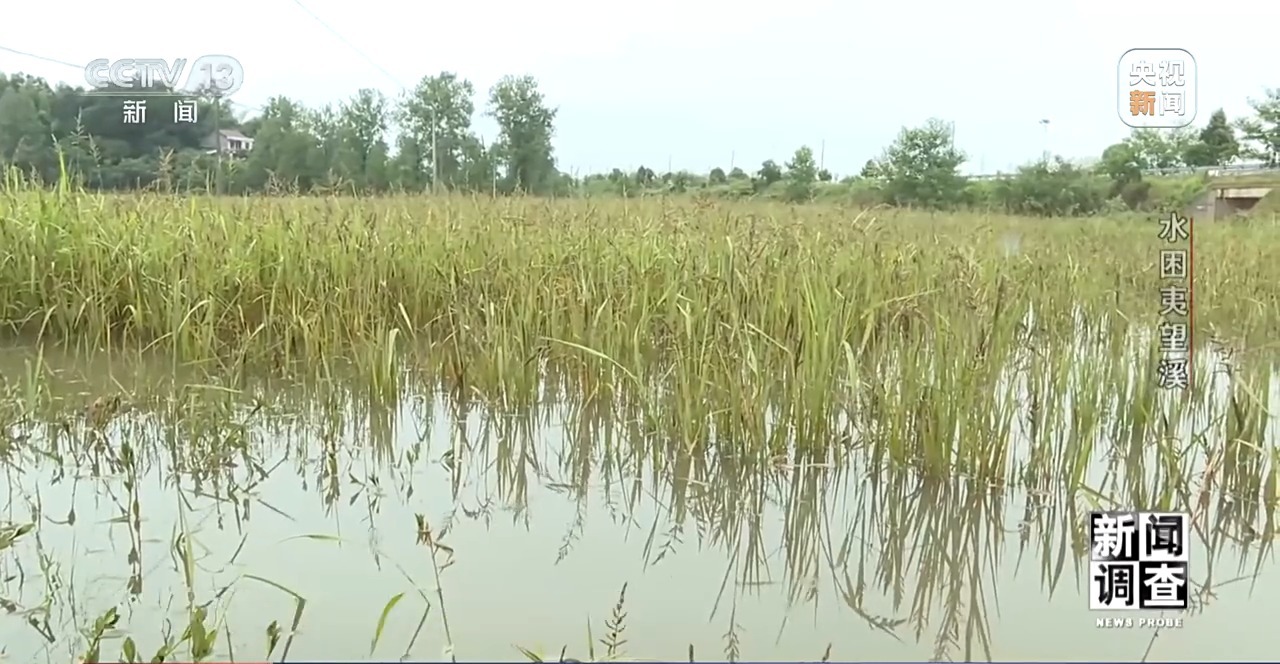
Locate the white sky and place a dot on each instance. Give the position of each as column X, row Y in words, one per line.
column 696, row 84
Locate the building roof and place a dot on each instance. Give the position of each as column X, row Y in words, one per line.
column 233, row 133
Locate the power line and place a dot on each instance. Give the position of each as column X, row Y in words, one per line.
column 41, row 57
column 350, row 45
column 435, row 158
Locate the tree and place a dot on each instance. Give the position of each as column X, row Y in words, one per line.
column 526, row 126
column 44, row 130
column 922, row 167
column 437, row 113
column 1261, row 133
column 678, row 182
column 361, row 151
column 408, row 167
column 802, row 173
column 769, row 173
column 478, row 170
column 1052, row 189
column 54, row 133
column 1157, row 148
column 1216, row 144
column 282, row 147
column 1121, row 163
column 24, row 138
column 322, row 125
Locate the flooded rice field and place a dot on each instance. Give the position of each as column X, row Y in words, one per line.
column 277, row 521
column 304, row 428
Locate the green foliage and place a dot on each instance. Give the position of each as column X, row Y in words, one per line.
column 1122, row 163
column 1053, row 189
column 922, row 168
column 332, row 149
column 1215, row 145
column 802, row 174
column 48, row 134
column 768, row 174
column 1134, row 194
column 1155, row 148
column 741, row 188
column 44, row 130
column 1261, row 133
column 437, row 114
column 526, row 126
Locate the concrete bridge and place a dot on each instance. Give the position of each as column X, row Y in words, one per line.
column 1233, row 189
column 1226, row 199
column 1223, row 171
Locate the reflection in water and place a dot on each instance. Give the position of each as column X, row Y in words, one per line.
column 320, row 523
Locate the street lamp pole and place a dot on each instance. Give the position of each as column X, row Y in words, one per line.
column 1045, row 123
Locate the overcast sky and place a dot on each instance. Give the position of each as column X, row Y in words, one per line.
column 699, row 84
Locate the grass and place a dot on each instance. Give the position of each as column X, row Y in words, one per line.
column 733, row 354
column 763, row 328
column 1253, row 179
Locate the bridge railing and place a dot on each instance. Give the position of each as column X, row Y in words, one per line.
column 1234, row 170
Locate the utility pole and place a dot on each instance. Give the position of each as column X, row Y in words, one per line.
column 435, row 156
column 217, row 140
column 822, row 154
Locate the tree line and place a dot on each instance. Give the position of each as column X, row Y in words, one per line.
column 424, row 141
column 54, row 132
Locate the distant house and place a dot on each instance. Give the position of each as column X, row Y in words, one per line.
column 230, row 142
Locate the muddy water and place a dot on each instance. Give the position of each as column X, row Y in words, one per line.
column 543, row 534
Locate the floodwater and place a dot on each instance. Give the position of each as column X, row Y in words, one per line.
column 542, row 536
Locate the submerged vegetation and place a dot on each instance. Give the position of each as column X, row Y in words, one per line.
column 918, row 399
